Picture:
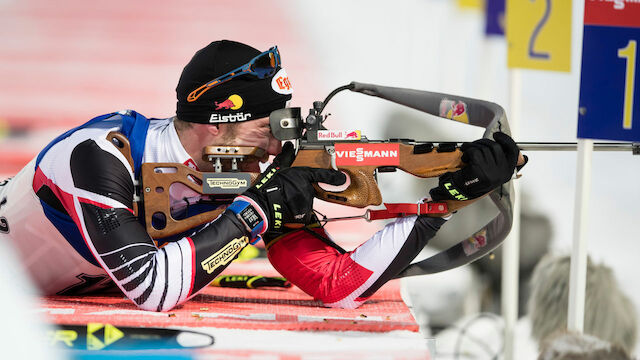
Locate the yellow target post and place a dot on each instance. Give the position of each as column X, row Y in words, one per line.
column 539, row 34
column 471, row 4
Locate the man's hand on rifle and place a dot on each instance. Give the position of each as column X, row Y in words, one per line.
column 282, row 195
column 489, row 164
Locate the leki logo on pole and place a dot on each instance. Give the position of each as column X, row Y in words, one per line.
column 97, row 342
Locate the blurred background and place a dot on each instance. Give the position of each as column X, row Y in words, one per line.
column 64, row 62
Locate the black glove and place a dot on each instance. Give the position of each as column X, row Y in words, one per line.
column 489, row 164
column 285, row 194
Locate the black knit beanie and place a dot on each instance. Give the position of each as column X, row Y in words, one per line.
column 242, row 98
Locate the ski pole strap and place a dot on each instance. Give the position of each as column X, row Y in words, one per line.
column 407, row 209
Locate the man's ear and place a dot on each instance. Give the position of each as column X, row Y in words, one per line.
column 213, row 129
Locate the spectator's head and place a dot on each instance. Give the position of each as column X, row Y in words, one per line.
column 571, row 346
column 609, row 314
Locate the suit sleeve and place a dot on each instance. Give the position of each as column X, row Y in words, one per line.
column 154, row 278
column 347, row 279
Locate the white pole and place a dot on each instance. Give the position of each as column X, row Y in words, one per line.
column 578, row 277
column 511, row 245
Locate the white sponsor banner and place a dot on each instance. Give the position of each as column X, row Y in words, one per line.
column 339, row 135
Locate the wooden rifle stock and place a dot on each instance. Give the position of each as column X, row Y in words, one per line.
column 363, row 190
column 157, row 178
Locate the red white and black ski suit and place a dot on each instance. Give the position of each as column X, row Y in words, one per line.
column 69, row 214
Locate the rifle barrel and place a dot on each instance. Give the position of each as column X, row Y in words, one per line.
column 572, row 146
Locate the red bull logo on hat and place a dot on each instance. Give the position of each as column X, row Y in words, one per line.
column 233, row 102
column 454, row 110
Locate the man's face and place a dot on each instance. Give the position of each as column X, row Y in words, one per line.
column 252, row 133
column 256, row 133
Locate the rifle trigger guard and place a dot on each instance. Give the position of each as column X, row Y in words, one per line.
column 296, row 145
column 332, row 152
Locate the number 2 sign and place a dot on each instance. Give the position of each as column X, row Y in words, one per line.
column 539, row 34
column 609, row 94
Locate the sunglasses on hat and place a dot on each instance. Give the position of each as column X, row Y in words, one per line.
column 261, row 66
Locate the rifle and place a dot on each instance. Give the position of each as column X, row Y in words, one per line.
column 360, row 158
